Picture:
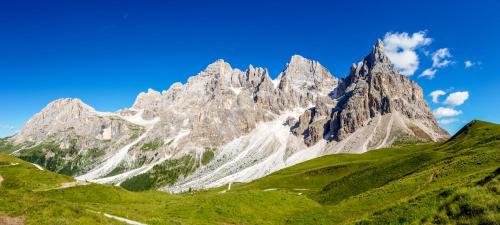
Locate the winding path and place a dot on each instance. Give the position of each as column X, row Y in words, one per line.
column 125, row 220
column 132, row 222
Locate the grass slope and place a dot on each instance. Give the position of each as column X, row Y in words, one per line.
column 455, row 182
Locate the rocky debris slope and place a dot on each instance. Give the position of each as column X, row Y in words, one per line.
column 251, row 124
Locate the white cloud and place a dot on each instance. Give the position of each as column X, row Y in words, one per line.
column 429, row 73
column 468, row 64
column 436, row 94
column 440, row 58
column 457, row 98
column 400, row 48
column 447, row 121
column 446, row 112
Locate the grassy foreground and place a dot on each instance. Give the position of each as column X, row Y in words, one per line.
column 455, row 182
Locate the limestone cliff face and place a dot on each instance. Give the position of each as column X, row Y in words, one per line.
column 254, row 124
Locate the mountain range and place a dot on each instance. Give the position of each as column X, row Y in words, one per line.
column 226, row 125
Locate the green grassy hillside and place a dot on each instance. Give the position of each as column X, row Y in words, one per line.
column 455, row 182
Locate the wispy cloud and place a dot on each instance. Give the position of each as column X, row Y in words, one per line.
column 440, row 59
column 429, row 72
column 470, row 63
column 447, row 121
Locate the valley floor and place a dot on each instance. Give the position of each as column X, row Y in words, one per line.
column 455, row 182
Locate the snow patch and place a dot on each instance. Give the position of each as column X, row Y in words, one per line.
column 125, row 220
column 276, row 82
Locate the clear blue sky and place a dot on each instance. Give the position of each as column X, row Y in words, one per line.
column 106, row 52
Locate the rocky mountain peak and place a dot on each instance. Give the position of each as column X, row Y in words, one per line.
column 147, row 99
column 305, row 70
column 305, row 79
column 377, row 55
column 73, row 104
column 254, row 76
column 57, row 115
column 298, row 59
column 298, row 62
column 219, row 67
column 375, row 63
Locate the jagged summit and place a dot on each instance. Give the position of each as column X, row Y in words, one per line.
column 375, row 60
column 147, row 99
column 298, row 59
column 377, row 55
column 68, row 103
column 219, row 66
column 306, row 79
